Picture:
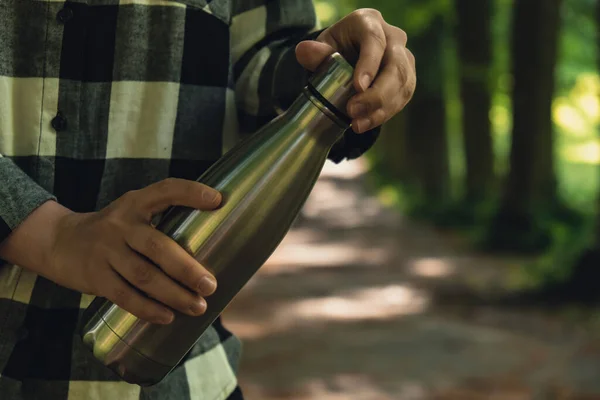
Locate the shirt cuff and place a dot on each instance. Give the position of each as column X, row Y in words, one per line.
column 353, row 145
column 19, row 196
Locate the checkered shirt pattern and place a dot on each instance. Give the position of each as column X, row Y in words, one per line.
column 100, row 97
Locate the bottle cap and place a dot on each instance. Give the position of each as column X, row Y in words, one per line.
column 334, row 81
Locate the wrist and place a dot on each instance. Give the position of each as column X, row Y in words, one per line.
column 30, row 245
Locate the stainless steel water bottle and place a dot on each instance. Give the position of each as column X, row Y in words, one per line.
column 265, row 181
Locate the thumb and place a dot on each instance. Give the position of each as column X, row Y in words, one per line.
column 310, row 54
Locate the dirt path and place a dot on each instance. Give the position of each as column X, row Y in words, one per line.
column 359, row 303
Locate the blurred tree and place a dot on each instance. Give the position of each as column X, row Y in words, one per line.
column 473, row 30
column 582, row 282
column 393, row 155
column 531, row 182
column 426, row 116
column 414, row 148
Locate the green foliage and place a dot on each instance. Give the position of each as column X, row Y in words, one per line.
column 541, row 233
column 554, row 267
column 578, row 44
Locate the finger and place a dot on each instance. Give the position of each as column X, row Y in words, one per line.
column 159, row 196
column 390, row 92
column 310, row 54
column 120, row 293
column 373, row 120
column 378, row 104
column 156, row 284
column 372, row 48
column 172, row 259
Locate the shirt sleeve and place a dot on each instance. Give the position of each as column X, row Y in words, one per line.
column 267, row 76
column 19, row 196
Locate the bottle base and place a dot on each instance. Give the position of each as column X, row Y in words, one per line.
column 130, row 365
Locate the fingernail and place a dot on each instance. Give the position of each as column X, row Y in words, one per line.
column 166, row 316
column 212, row 196
column 357, row 110
column 364, row 81
column 198, row 307
column 363, row 125
column 207, row 285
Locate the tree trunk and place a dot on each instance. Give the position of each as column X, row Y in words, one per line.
column 534, row 51
column 530, row 188
column 426, row 116
column 475, row 61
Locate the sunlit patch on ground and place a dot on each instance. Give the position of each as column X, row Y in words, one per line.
column 432, row 267
column 323, row 254
column 372, row 303
column 348, row 308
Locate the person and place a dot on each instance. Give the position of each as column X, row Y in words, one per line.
column 110, row 109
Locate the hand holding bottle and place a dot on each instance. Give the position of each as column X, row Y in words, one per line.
column 115, row 253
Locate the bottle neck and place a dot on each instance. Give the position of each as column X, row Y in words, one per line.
column 326, row 107
column 311, row 118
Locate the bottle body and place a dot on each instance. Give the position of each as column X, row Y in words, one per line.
column 265, row 181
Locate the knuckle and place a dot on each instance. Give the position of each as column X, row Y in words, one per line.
column 368, row 13
column 120, row 297
column 379, row 116
column 153, row 246
column 378, row 100
column 129, row 199
column 401, row 35
column 397, row 50
column 189, row 273
column 111, row 223
column 132, row 195
column 143, row 273
column 371, row 21
column 166, row 186
column 357, row 14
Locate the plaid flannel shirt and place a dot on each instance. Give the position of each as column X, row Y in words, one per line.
column 100, row 97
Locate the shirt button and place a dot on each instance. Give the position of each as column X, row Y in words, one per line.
column 64, row 15
column 59, row 123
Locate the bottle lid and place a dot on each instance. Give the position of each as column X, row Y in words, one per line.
column 334, row 81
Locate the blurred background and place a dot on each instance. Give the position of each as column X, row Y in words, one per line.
column 460, row 258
